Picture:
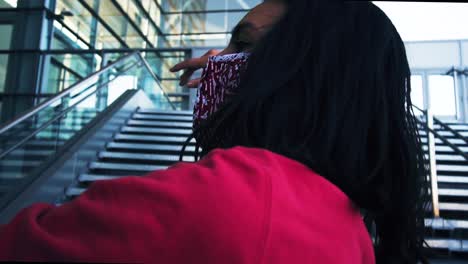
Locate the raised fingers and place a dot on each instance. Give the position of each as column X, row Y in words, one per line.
column 185, row 77
column 194, row 83
column 194, row 63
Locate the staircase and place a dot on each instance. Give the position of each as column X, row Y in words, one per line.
column 448, row 235
column 150, row 140
column 20, row 162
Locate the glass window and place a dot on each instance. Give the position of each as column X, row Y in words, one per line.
column 115, row 19
column 442, row 95
column 417, row 95
column 187, row 17
column 233, row 19
column 120, row 85
column 54, row 82
column 205, row 5
column 242, row 4
column 8, row 3
column 80, row 22
column 201, row 5
column 204, row 23
column 5, row 43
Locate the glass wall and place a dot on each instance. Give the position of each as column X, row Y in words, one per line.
column 442, row 95
column 152, row 23
column 417, row 91
column 120, row 25
column 5, row 43
column 8, row 3
column 438, row 91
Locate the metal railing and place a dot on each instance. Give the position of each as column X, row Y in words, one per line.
column 56, row 69
column 431, row 135
column 85, row 83
column 164, row 57
column 158, row 52
column 59, row 96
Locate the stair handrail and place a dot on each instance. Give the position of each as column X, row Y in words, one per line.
column 155, row 77
column 446, row 127
column 80, row 84
column 432, row 159
column 444, row 139
column 55, row 118
column 428, row 125
column 69, row 108
column 453, row 131
column 62, row 94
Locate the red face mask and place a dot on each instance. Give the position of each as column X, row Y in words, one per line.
column 219, row 80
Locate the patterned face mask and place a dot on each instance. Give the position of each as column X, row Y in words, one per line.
column 219, row 80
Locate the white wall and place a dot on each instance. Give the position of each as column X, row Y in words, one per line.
column 438, row 54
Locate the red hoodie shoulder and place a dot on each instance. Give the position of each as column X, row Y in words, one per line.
column 240, row 205
column 204, row 212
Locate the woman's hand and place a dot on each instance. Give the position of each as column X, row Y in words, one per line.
column 190, row 66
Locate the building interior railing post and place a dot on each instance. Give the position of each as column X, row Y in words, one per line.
column 432, row 162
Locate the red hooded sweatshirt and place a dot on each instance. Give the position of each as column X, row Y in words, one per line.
column 241, row 205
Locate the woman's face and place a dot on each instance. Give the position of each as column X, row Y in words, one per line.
column 221, row 76
column 255, row 25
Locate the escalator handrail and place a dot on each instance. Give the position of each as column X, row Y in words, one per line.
column 62, row 94
column 156, row 79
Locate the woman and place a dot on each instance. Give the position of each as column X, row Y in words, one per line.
column 320, row 128
column 337, row 100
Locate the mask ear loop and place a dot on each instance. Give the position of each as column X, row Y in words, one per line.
column 182, row 152
column 197, row 148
